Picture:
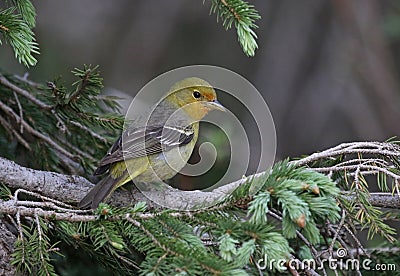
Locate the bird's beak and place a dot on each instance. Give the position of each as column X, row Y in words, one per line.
column 216, row 105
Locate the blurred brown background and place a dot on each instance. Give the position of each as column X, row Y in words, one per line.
column 329, row 70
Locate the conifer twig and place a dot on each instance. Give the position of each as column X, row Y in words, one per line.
column 21, row 114
column 25, row 79
column 151, row 236
column 12, row 132
column 336, row 233
column 384, row 149
column 88, row 130
column 274, row 213
column 36, row 133
column 4, row 81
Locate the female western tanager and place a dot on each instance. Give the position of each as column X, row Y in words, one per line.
column 158, row 148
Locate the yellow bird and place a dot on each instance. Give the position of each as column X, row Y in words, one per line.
column 157, row 149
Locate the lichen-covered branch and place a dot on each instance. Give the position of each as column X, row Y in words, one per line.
column 72, row 188
column 49, row 196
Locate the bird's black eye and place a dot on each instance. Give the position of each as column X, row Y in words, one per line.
column 196, row 94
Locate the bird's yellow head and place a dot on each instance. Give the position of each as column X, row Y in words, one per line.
column 195, row 96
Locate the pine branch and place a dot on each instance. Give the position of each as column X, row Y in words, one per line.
column 249, row 235
column 13, row 133
column 350, row 163
column 383, row 200
column 39, row 135
column 54, row 185
column 72, row 188
column 9, row 207
column 4, row 81
column 16, row 25
column 243, row 16
column 381, row 148
column 58, row 141
column 88, row 130
column 27, row 11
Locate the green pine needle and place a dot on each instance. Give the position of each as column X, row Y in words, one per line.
column 16, row 29
column 243, row 16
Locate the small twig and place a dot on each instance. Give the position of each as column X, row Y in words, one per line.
column 355, row 239
column 20, row 234
column 13, row 133
column 60, row 123
column 77, row 150
column 358, row 167
column 9, row 208
column 39, row 228
column 150, row 235
column 274, row 213
column 364, row 161
column 22, row 92
column 25, row 79
column 126, row 260
column 91, row 132
column 20, row 112
column 40, row 235
column 36, row 133
column 341, row 241
column 351, row 148
column 341, row 223
column 44, row 198
column 232, row 10
column 81, row 88
column 159, row 261
column 50, row 205
column 385, row 200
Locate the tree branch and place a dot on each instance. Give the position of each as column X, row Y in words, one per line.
column 36, row 133
column 381, row 148
column 384, row 200
column 24, row 93
column 72, row 188
column 54, row 190
column 67, row 188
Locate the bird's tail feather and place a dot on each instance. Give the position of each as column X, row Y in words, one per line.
column 99, row 193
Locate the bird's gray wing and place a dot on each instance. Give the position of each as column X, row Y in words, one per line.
column 143, row 141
